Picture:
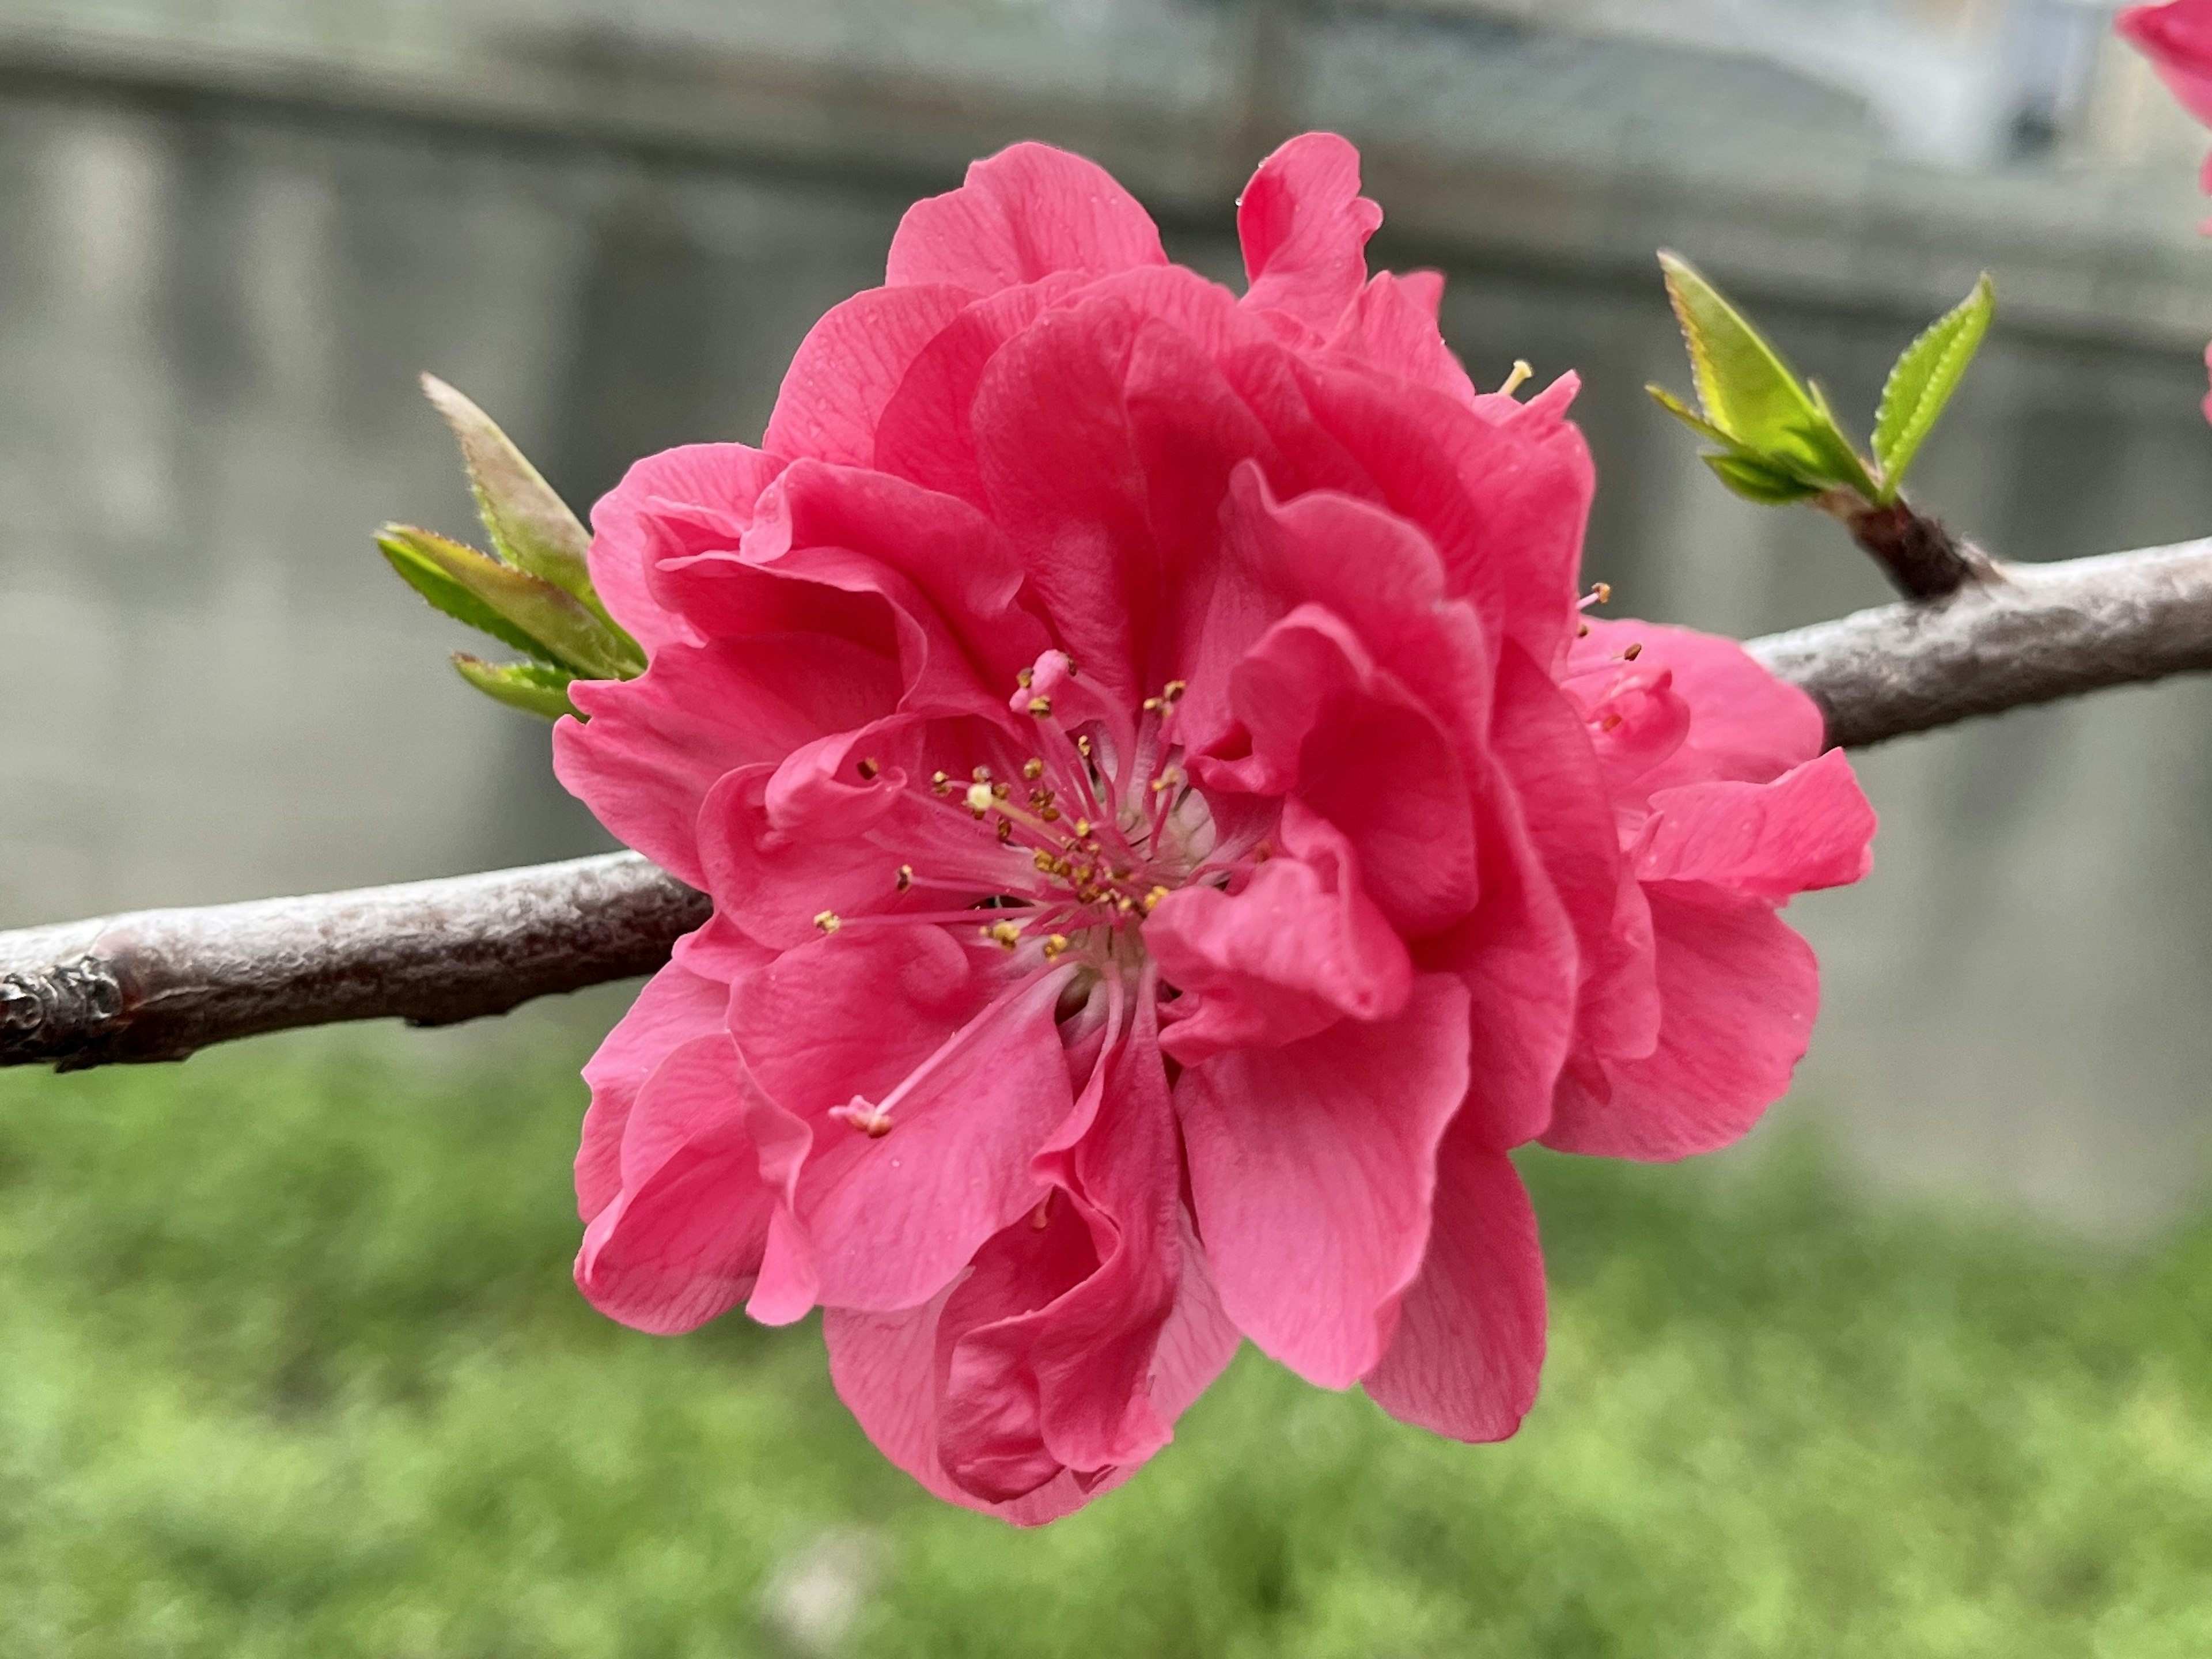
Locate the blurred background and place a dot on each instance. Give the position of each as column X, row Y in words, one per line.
column 232, row 232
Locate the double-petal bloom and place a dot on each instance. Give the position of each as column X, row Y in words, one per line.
column 1174, row 825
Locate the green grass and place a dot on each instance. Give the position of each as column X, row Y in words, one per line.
column 290, row 1365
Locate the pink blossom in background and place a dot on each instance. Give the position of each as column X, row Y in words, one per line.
column 1171, row 833
column 2177, row 37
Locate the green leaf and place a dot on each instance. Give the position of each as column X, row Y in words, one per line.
column 1690, row 417
column 428, row 578
column 532, row 687
column 546, row 622
column 1756, row 481
column 1752, row 400
column 530, row 525
column 1921, row 384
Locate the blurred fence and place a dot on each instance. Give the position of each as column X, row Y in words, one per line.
column 234, row 231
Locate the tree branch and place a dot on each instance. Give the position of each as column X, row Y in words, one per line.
column 163, row 984
column 2028, row 634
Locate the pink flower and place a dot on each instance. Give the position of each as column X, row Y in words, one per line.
column 2177, row 37
column 1170, row 835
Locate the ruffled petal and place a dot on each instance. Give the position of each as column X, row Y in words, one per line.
column 1304, row 227
column 677, row 1006
column 1323, row 718
column 1469, row 1346
column 850, row 366
column 1739, row 991
column 727, row 478
column 1311, row 1171
column 1744, row 725
column 1392, row 326
column 2177, row 37
column 1298, row 948
column 654, row 747
column 1811, row 828
column 683, row 1240
column 964, row 1059
column 1022, row 215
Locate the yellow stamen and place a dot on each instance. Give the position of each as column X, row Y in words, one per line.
column 980, row 799
column 1006, row 935
column 1001, row 791
column 1521, row 376
column 905, row 877
column 1054, row 947
column 1172, row 692
column 943, row 785
column 868, row 770
column 1153, row 899
column 1601, row 592
column 1026, row 678
column 1032, row 769
column 1083, row 829
column 829, row 921
column 1042, row 707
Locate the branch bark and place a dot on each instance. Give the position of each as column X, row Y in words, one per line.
column 163, row 984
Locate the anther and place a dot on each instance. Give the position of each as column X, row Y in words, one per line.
column 1601, row 592
column 1153, row 899
column 829, row 921
column 1026, row 678
column 1172, row 692
column 982, row 775
column 1152, row 705
column 870, row 1119
column 943, row 785
column 1608, row 723
column 868, row 769
column 1033, row 768
column 1054, row 947
column 1005, row 934
column 1522, row 374
column 980, row 799
column 1005, row 831
column 905, row 877
column 1042, row 707
column 1044, row 861
column 1002, row 792
column 1632, row 654
column 1126, row 905
column 1582, row 632
column 1083, row 747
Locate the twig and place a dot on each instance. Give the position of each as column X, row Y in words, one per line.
column 162, row 984
column 2028, row 634
column 166, row 983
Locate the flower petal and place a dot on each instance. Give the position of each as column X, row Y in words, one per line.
column 1809, row 828
column 683, row 1241
column 1298, row 948
column 729, row 477
column 675, row 1007
column 1738, row 992
column 966, row 1060
column 1469, row 1346
column 654, row 747
column 1304, row 227
column 850, row 366
column 1024, row 214
column 1311, row 1170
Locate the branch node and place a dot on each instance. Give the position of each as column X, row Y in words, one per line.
column 1919, row 555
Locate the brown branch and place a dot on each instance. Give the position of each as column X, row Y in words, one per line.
column 2028, row 634
column 163, row 984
